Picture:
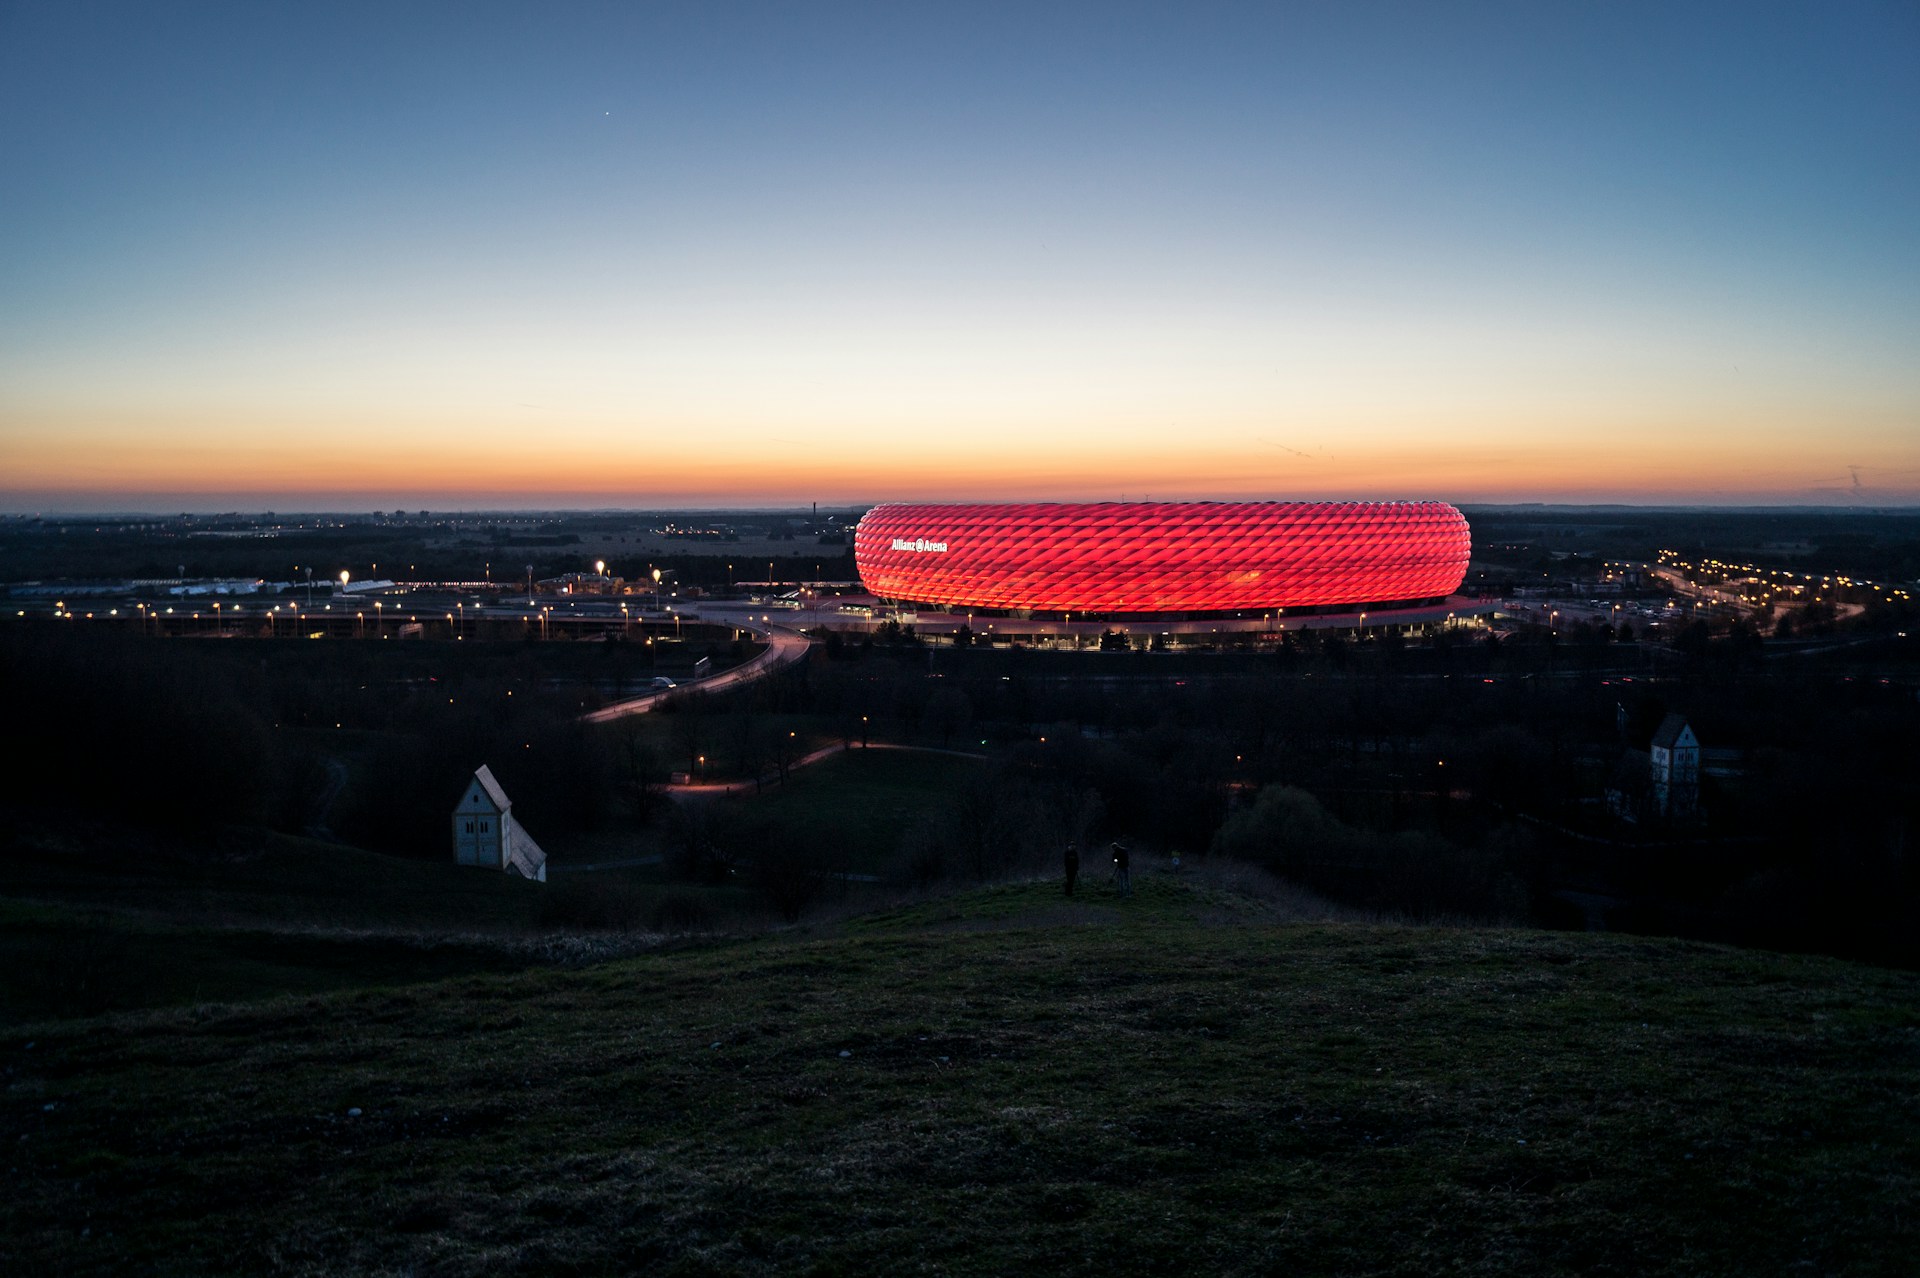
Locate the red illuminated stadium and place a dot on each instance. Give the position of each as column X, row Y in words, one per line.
column 1161, row 557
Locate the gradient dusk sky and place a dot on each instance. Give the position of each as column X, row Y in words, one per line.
column 334, row 255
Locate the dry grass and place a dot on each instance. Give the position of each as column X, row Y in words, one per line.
column 1139, row 1090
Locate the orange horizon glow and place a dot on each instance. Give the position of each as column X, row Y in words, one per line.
column 1222, row 476
column 1454, row 433
column 302, row 467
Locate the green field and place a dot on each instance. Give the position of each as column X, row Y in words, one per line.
column 1001, row 1082
column 861, row 802
column 244, row 876
column 97, row 926
column 57, row 962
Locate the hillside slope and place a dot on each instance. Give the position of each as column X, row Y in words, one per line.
column 1000, row 1084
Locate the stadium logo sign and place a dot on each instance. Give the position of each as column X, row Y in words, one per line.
column 920, row 545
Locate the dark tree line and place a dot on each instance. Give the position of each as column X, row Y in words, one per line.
column 184, row 734
column 110, row 726
column 1458, row 779
column 1462, row 778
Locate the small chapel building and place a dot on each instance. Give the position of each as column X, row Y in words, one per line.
column 486, row 834
column 1661, row 784
column 1673, row 764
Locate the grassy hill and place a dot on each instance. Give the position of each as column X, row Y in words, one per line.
column 1000, row 1082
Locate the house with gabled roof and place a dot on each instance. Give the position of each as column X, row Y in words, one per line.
column 1660, row 784
column 1674, row 766
column 486, row 834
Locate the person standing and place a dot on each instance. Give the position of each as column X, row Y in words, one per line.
column 1072, row 864
column 1121, row 879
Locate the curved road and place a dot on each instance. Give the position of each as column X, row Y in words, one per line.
column 784, row 647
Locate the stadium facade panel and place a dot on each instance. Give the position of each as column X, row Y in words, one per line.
column 1128, row 557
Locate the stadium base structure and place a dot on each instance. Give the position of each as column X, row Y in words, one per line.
column 1144, row 560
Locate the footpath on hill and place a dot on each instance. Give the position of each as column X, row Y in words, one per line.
column 1001, row 1082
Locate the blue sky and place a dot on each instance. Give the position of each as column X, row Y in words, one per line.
column 521, row 254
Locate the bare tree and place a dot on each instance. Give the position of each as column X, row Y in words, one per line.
column 690, row 728
column 749, row 742
column 789, row 872
column 638, row 771
column 948, row 710
column 786, row 752
column 705, row 842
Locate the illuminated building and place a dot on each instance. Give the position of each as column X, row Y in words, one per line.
column 1162, row 557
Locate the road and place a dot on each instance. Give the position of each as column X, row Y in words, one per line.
column 1734, row 599
column 784, row 647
